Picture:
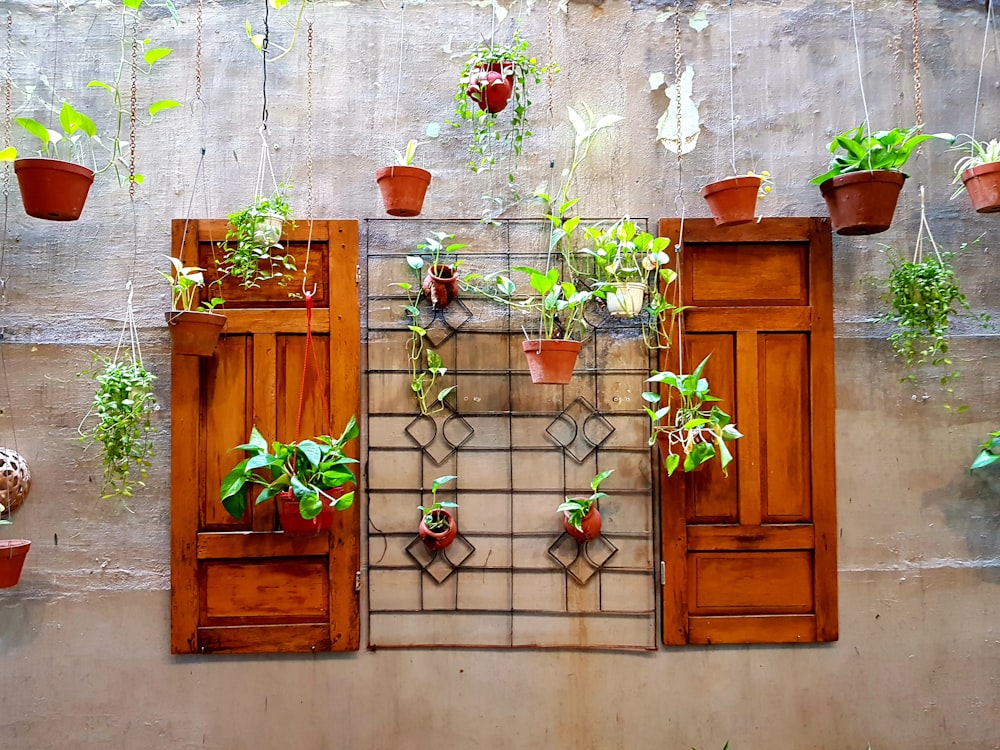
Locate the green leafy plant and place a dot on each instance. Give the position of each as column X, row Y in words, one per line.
column 621, row 253
column 980, row 152
column 488, row 134
column 884, row 150
column 560, row 305
column 123, row 405
column 691, row 424
column 309, row 469
column 433, row 520
column 184, row 282
column 989, row 452
column 577, row 508
column 252, row 253
column 405, row 158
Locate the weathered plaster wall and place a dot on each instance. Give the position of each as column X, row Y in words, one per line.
column 84, row 638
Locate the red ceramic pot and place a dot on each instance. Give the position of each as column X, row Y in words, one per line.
column 440, row 285
column 291, row 518
column 551, row 361
column 590, row 526
column 491, row 86
column 438, row 540
column 53, row 189
column 12, row 554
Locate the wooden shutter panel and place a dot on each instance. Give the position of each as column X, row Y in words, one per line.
column 239, row 586
column 752, row 558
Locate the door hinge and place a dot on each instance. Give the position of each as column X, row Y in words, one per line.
column 357, row 580
column 663, row 573
column 357, row 273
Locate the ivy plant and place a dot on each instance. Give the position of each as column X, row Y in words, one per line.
column 252, row 253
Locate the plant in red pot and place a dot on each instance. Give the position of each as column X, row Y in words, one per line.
column 193, row 330
column 733, row 200
column 15, row 482
column 862, row 185
column 979, row 174
column 691, row 426
column 403, row 186
column 581, row 517
column 309, row 478
column 438, row 527
column 12, row 554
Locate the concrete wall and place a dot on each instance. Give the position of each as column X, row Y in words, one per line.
column 84, row 638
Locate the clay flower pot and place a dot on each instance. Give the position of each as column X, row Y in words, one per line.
column 490, row 86
column 291, row 518
column 53, row 189
column 403, row 189
column 194, row 333
column 625, row 300
column 440, row 285
column 732, row 201
column 438, row 540
column 862, row 202
column 12, row 554
column 983, row 186
column 551, row 361
column 590, row 526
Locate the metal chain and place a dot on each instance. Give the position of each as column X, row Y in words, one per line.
column 133, row 99
column 197, row 52
column 918, row 103
column 263, row 53
column 7, row 93
column 677, row 83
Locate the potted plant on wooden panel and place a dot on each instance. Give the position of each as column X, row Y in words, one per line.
column 438, row 527
column 979, row 174
column 310, row 479
column 194, row 330
column 252, row 253
column 862, row 185
column 581, row 516
column 691, row 426
column 733, row 200
column 403, row 186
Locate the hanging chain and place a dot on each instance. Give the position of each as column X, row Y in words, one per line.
column 7, row 93
column 918, row 103
column 677, row 84
column 197, row 51
column 263, row 55
column 309, row 116
column 133, row 99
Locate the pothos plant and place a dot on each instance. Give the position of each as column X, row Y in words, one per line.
column 433, row 520
column 122, row 408
column 251, row 251
column 577, row 508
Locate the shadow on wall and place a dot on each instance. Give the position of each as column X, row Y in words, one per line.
column 971, row 505
column 21, row 621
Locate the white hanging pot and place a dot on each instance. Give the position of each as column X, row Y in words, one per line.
column 625, row 299
column 267, row 230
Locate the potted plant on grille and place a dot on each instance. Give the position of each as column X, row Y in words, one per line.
column 310, row 479
column 438, row 527
column 691, row 426
column 252, row 253
column 194, row 329
column 581, row 516
column 862, row 185
column 733, row 200
column 403, row 186
column 979, row 174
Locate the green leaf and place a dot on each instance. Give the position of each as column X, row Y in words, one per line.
column 156, row 53
column 440, row 481
column 101, row 84
column 312, row 452
column 671, row 463
column 8, row 154
column 35, row 128
column 163, row 104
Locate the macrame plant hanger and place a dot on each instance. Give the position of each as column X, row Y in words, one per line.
column 264, row 166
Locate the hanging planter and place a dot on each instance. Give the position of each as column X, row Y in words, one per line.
column 194, row 333
column 732, row 201
column 403, row 189
column 625, row 299
column 440, row 285
column 12, row 555
column 551, row 361
column 590, row 525
column 438, row 527
column 53, row 189
column 491, row 85
column 292, row 521
column 979, row 173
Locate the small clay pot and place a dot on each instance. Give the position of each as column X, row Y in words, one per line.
column 732, row 201
column 590, row 526
column 12, row 554
column 193, row 332
column 438, row 540
column 551, row 361
column 862, row 202
column 291, row 518
column 53, row 189
column 403, row 189
column 440, row 285
column 983, row 186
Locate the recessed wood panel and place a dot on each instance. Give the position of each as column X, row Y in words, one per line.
column 746, row 274
column 270, row 588
column 750, row 582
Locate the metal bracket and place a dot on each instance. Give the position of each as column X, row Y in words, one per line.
column 663, row 573
column 357, row 580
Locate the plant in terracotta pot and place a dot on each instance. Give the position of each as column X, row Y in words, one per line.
column 581, row 516
column 403, row 186
column 252, row 253
column 691, row 425
column 862, row 185
column 989, row 452
column 194, row 326
column 441, row 283
column 978, row 172
column 623, row 258
column 438, row 527
column 309, row 478
column 733, row 200
column 12, row 555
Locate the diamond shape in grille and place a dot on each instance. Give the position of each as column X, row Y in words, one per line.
column 441, row 434
column 441, row 563
column 580, row 429
column 582, row 560
column 444, row 323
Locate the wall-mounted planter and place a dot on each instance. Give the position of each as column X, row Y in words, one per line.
column 625, row 299
column 12, row 554
column 862, row 202
column 551, row 361
column 291, row 518
column 438, row 540
column 53, row 189
column 590, row 526
column 403, row 189
column 440, row 285
column 983, row 186
column 194, row 333
column 732, row 201
column 491, row 87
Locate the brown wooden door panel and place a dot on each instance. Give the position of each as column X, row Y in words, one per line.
column 752, row 558
column 241, row 586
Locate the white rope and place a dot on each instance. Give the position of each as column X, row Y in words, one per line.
column 732, row 95
column 399, row 74
column 265, row 160
column 861, row 79
column 982, row 63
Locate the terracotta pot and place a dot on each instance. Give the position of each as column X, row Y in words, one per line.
column 194, row 333
column 403, row 189
column 732, row 201
column 491, row 87
column 440, row 285
column 438, row 540
column 291, row 518
column 12, row 554
column 590, row 525
column 626, row 299
column 53, row 189
column 862, row 202
column 983, row 185
column 551, row 361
